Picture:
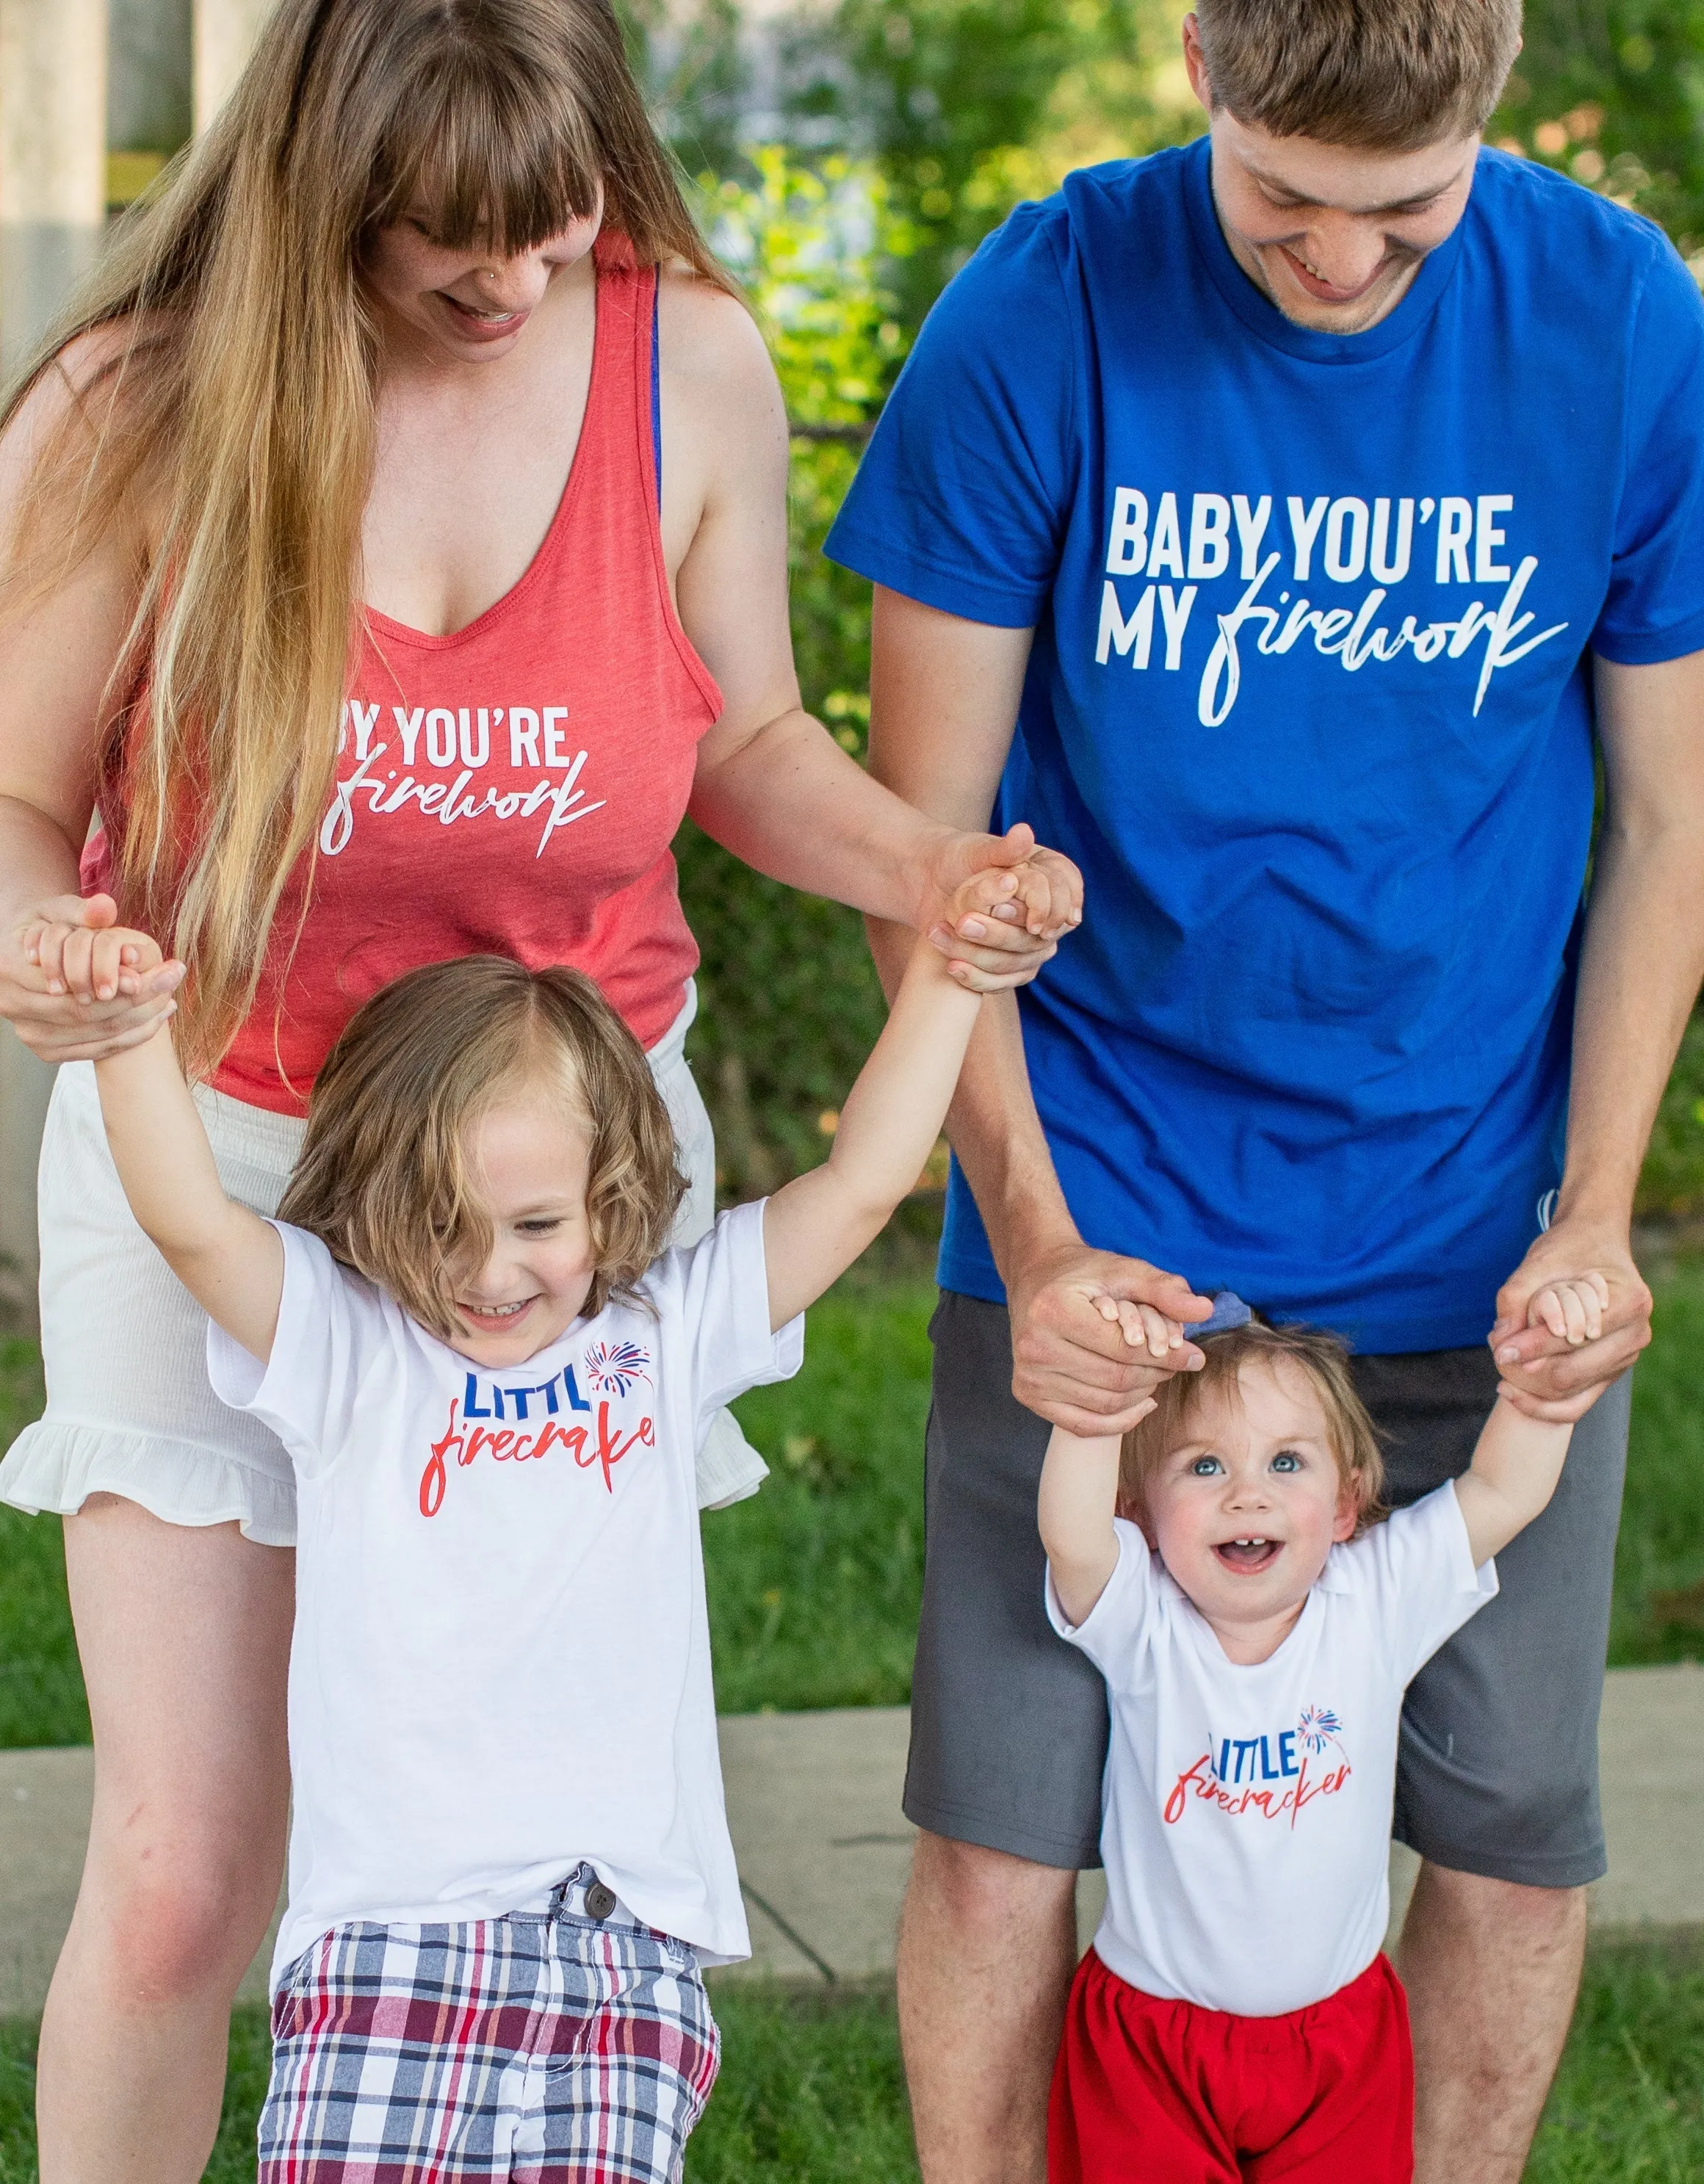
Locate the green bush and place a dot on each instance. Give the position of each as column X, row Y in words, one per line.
column 790, row 1001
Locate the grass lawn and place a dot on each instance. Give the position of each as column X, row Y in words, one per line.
column 811, row 2091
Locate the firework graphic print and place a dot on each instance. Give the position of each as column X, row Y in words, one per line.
column 613, row 1368
column 1318, row 1727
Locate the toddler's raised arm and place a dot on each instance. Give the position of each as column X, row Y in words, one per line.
column 1079, row 1494
column 230, row 1260
column 1519, row 1459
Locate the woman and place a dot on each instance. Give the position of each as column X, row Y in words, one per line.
column 344, row 583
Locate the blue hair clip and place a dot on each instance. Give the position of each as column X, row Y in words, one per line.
column 1229, row 1312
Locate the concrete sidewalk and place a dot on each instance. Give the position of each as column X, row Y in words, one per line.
column 813, row 1804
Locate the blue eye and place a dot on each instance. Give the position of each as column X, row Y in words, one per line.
column 1205, row 1466
column 1286, row 1462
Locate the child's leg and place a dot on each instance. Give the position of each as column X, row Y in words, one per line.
column 1135, row 2086
column 1349, row 2065
column 394, row 2053
column 634, row 2060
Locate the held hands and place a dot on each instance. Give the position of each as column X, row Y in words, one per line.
column 1563, row 1335
column 1144, row 1329
column 77, row 985
column 1093, row 1335
column 998, row 906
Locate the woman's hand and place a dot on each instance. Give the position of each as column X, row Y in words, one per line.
column 76, row 985
column 998, row 904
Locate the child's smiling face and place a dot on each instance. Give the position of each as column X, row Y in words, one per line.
column 529, row 1156
column 1246, row 1511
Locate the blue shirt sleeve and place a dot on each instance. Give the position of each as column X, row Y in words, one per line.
column 1655, row 606
column 963, row 494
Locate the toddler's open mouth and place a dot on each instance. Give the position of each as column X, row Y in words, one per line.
column 1248, row 1555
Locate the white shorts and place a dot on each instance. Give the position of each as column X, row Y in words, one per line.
column 129, row 1408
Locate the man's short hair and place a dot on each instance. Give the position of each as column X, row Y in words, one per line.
column 1386, row 76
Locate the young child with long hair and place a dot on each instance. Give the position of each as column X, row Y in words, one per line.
column 1257, row 1616
column 509, row 1857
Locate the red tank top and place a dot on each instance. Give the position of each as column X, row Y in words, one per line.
column 512, row 790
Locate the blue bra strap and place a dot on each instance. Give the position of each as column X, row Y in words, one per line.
column 656, row 391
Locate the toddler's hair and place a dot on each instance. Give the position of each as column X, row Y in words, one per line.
column 383, row 1178
column 1350, row 1431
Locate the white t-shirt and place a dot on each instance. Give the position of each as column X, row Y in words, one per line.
column 501, row 1662
column 1247, row 1809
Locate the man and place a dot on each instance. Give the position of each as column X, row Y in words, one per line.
column 1320, row 501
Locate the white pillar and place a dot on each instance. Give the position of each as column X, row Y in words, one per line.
column 224, row 35
column 52, row 158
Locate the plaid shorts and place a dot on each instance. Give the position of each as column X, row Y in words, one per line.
column 547, row 2047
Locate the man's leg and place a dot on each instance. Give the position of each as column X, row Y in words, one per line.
column 1008, row 1743
column 1497, row 1780
column 987, row 1944
column 1491, row 1969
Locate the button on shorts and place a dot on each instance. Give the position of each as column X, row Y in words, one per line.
column 1498, row 1768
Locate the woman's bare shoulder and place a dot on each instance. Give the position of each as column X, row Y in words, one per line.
column 63, row 413
column 84, row 375
column 709, row 338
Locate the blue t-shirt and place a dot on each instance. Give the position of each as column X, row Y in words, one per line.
column 1310, row 703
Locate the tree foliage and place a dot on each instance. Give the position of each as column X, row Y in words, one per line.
column 1613, row 90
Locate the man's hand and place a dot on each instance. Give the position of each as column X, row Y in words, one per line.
column 1076, row 1365
column 1558, row 1377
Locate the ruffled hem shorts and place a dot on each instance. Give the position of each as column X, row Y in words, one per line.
column 129, row 1408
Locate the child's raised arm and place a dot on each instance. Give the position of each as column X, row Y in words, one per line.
column 1079, row 1494
column 1519, row 1459
column 1079, row 1480
column 816, row 1227
column 230, row 1260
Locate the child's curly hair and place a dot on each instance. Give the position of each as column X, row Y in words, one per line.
column 383, row 1179
column 1352, row 1435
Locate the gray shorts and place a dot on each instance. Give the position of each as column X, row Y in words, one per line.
column 1498, row 1770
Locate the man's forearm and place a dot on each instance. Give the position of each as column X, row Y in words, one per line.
column 993, row 1126
column 1640, row 974
column 1639, row 965
column 1639, row 977
column 1644, row 945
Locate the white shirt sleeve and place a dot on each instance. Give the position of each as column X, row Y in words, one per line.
column 1417, row 1568
column 1116, row 1626
column 720, row 1286
column 330, row 1326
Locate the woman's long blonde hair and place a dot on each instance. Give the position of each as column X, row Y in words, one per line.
column 232, row 422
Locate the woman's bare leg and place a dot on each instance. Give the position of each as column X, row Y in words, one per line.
column 184, row 1637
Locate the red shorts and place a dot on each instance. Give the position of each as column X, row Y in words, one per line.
column 1148, row 2091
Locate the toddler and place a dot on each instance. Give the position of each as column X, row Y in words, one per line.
column 508, row 1858
column 1257, row 1618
